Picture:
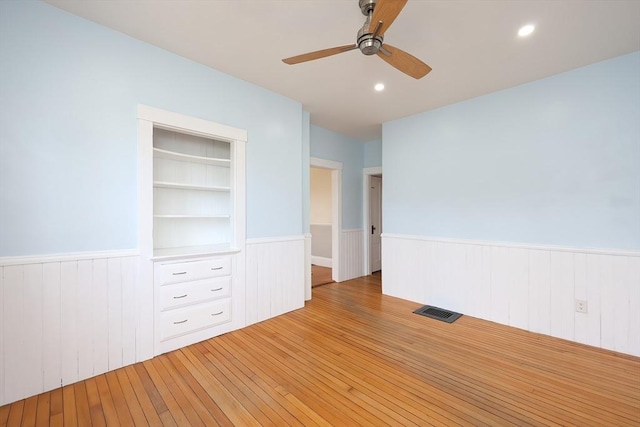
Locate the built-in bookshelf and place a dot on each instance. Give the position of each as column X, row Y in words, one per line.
column 191, row 225
column 191, row 193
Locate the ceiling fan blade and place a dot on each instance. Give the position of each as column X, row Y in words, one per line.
column 386, row 11
column 318, row 54
column 408, row 64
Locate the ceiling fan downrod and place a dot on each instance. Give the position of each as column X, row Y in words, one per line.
column 368, row 42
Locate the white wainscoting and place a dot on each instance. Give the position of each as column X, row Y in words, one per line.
column 307, row 266
column 275, row 277
column 525, row 286
column 351, row 255
column 64, row 319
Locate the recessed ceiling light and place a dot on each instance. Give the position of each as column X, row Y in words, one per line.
column 379, row 87
column 526, row 30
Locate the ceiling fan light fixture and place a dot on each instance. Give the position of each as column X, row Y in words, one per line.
column 379, row 87
column 526, row 30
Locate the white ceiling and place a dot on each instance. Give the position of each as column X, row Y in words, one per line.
column 471, row 45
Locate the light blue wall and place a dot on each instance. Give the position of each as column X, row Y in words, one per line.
column 68, row 95
column 556, row 161
column 373, row 153
column 329, row 145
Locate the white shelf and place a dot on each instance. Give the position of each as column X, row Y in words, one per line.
column 193, row 216
column 191, row 251
column 171, row 155
column 164, row 184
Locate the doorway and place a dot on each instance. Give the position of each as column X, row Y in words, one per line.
column 321, row 225
column 372, row 219
column 333, row 225
column 375, row 226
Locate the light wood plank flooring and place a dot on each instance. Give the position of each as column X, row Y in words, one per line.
column 320, row 275
column 354, row 357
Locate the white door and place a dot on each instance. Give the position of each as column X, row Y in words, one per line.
column 375, row 226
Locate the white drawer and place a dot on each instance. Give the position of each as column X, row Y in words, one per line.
column 172, row 296
column 184, row 320
column 194, row 270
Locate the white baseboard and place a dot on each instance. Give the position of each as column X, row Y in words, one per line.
column 321, row 261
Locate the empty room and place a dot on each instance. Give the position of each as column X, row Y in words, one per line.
column 319, row 212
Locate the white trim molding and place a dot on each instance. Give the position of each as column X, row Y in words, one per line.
column 187, row 124
column 374, row 170
column 531, row 287
column 321, row 261
column 601, row 251
column 264, row 240
column 75, row 256
column 307, row 266
column 317, row 162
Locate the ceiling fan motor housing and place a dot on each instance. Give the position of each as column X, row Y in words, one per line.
column 367, row 43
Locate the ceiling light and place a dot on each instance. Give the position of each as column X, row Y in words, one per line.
column 379, row 87
column 526, row 30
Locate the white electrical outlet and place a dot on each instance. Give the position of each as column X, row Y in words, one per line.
column 581, row 306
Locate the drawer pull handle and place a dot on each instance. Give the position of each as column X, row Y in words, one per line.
column 216, row 289
column 218, row 313
column 177, row 274
column 216, row 268
column 181, row 296
column 182, row 321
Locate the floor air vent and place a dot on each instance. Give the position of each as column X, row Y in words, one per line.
column 438, row 313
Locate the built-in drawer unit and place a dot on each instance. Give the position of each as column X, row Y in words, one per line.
column 188, row 319
column 181, row 294
column 193, row 300
column 194, row 270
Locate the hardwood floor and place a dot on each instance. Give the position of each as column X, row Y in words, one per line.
column 320, row 275
column 355, row 357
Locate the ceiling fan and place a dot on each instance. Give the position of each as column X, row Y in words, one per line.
column 380, row 15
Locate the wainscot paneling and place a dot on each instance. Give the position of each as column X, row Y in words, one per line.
column 65, row 318
column 529, row 287
column 307, row 266
column 275, row 279
column 351, row 255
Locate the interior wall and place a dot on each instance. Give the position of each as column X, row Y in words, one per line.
column 329, row 145
column 554, row 162
column 321, row 211
column 68, row 141
column 320, row 196
column 69, row 92
column 521, row 203
column 333, row 146
column 372, row 153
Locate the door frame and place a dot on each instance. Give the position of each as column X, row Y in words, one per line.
column 366, row 183
column 336, row 210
